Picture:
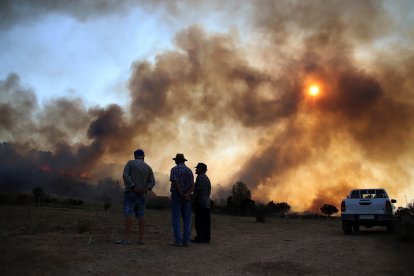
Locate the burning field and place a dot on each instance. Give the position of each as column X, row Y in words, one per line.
column 309, row 100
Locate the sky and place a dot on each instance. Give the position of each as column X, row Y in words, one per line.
column 85, row 83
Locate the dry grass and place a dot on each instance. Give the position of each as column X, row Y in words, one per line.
column 46, row 241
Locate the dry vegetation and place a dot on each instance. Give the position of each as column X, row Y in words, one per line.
column 49, row 241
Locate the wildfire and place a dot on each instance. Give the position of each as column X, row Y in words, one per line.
column 81, row 175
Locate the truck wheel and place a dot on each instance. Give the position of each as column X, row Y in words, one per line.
column 347, row 227
column 390, row 228
column 355, row 228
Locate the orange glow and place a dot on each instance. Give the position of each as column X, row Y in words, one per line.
column 45, row 168
column 314, row 90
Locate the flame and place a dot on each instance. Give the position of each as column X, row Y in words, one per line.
column 73, row 174
column 45, row 168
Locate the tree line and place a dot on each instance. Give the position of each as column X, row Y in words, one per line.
column 240, row 203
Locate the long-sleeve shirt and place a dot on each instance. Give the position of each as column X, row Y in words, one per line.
column 138, row 174
column 202, row 190
column 182, row 175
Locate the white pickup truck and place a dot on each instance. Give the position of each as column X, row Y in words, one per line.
column 367, row 207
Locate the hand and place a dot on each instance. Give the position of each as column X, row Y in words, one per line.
column 187, row 196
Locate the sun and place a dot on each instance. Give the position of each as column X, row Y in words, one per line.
column 314, row 90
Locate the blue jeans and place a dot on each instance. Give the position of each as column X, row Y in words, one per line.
column 181, row 207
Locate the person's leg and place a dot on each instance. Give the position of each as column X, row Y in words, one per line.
column 175, row 211
column 141, row 225
column 197, row 222
column 186, row 215
column 207, row 225
column 201, row 229
column 204, row 228
column 128, row 214
column 140, row 210
column 128, row 227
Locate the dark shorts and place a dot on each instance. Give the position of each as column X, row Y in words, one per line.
column 134, row 205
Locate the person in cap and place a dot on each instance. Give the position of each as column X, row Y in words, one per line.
column 182, row 184
column 138, row 180
column 201, row 198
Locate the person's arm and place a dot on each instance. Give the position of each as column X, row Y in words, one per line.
column 188, row 194
column 174, row 181
column 177, row 187
column 127, row 177
column 150, row 182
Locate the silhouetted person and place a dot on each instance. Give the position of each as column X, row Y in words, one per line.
column 201, row 195
column 182, row 184
column 138, row 180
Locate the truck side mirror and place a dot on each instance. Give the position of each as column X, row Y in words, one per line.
column 393, row 200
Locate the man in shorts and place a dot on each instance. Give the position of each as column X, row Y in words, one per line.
column 138, row 180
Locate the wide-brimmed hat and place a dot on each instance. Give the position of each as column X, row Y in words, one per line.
column 179, row 157
column 201, row 166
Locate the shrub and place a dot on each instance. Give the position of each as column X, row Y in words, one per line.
column 75, row 202
column 277, row 208
column 158, row 203
column 405, row 227
column 328, row 209
column 405, row 223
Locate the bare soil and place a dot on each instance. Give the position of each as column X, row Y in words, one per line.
column 45, row 241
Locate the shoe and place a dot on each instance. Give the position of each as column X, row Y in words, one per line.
column 123, row 242
column 175, row 244
column 140, row 242
column 185, row 244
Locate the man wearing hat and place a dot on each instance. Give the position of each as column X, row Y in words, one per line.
column 202, row 191
column 138, row 180
column 182, row 184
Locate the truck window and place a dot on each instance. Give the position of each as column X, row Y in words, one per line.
column 368, row 193
column 380, row 194
column 355, row 194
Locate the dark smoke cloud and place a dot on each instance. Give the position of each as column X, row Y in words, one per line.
column 23, row 11
column 16, row 12
column 191, row 98
column 73, row 140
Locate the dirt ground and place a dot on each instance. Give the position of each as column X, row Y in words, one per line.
column 45, row 241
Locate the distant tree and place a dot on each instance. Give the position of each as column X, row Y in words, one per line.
column 240, row 192
column 328, row 209
column 38, row 194
column 75, row 202
column 279, row 208
column 240, row 201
